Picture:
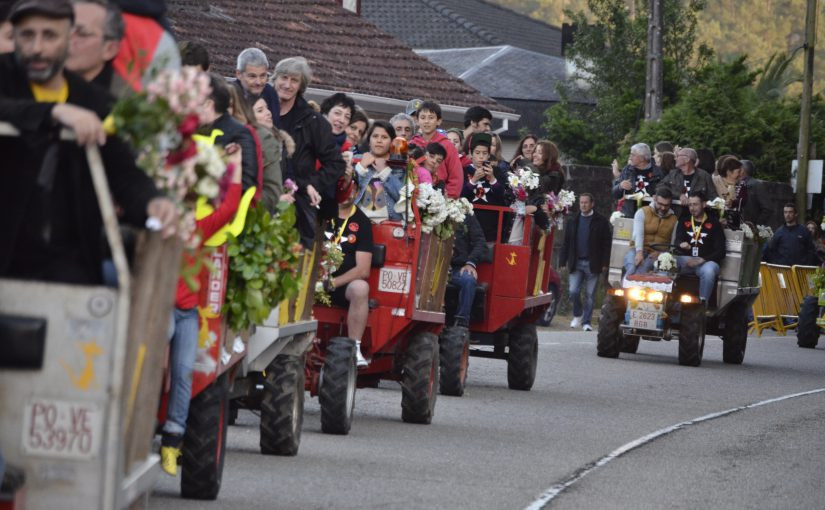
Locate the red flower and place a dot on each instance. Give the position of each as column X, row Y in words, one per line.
column 188, row 149
column 687, row 224
column 521, row 195
column 189, row 125
column 707, row 225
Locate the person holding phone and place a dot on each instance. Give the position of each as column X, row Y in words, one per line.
column 482, row 185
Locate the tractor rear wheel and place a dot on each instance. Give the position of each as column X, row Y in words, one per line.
column 630, row 344
column 609, row 338
column 522, row 358
column 419, row 378
column 692, row 335
column 282, row 406
column 204, row 443
column 454, row 356
column 550, row 312
column 807, row 332
column 337, row 392
column 735, row 336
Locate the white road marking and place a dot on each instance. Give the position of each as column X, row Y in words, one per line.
column 553, row 492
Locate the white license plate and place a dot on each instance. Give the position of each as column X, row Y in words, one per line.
column 644, row 319
column 56, row 428
column 394, row 280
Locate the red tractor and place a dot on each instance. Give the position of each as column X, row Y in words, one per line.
column 516, row 287
column 407, row 282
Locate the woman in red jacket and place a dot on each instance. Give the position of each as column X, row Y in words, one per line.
column 185, row 337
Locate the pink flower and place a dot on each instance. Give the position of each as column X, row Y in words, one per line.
column 290, row 185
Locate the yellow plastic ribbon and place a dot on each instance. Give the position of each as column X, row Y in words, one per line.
column 203, row 209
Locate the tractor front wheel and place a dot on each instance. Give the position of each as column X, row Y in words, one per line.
column 692, row 335
column 735, row 336
column 522, row 358
column 204, row 443
column 419, row 378
column 454, row 356
column 609, row 338
column 337, row 392
column 282, row 406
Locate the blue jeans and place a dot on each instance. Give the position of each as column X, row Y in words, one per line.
column 583, row 274
column 466, row 292
column 182, row 359
column 707, row 273
column 630, row 264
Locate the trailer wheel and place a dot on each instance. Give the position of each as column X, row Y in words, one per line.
column 419, row 378
column 630, row 344
column 550, row 312
column 692, row 335
column 282, row 406
column 204, row 443
column 337, row 392
column 609, row 338
column 522, row 358
column 807, row 332
column 735, row 336
column 454, row 356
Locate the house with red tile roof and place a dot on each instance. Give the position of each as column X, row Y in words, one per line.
column 347, row 53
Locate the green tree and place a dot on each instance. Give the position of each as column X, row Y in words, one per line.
column 609, row 57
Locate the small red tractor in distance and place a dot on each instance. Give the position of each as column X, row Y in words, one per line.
column 516, row 286
column 407, row 282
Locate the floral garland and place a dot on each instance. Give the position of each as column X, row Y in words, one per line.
column 439, row 214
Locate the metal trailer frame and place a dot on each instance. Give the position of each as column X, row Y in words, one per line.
column 63, row 421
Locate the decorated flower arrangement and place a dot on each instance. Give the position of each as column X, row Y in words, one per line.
column 160, row 123
column 439, row 214
column 616, row 216
column 331, row 258
column 263, row 263
column 764, row 232
column 522, row 181
column 748, row 231
column 718, row 203
column 559, row 205
column 666, row 263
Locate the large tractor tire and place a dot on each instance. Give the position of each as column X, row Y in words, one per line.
column 630, row 344
column 609, row 337
column 807, row 332
column 523, row 357
column 735, row 335
column 419, row 378
column 454, row 358
column 282, row 406
column 692, row 335
column 337, row 392
column 550, row 312
column 204, row 444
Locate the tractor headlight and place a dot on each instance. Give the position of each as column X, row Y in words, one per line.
column 636, row 294
column 655, row 296
column 687, row 298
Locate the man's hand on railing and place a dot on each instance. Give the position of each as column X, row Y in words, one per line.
column 87, row 127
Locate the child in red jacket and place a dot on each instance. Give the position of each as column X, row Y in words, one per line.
column 185, row 338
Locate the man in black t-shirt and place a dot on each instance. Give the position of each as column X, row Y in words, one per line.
column 353, row 230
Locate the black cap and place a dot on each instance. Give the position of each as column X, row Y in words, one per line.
column 483, row 139
column 50, row 8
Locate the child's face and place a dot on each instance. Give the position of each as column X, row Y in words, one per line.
column 453, row 137
column 433, row 161
column 480, row 155
column 380, row 142
column 428, row 122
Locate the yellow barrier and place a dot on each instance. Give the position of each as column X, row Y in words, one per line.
column 765, row 308
column 803, row 277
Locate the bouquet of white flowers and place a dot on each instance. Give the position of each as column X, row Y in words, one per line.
column 718, row 203
column 765, row 233
column 747, row 230
column 559, row 205
column 440, row 214
column 665, row 262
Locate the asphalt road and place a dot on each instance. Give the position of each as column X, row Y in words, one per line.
column 501, row 449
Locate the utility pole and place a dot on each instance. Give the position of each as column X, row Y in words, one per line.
column 654, row 81
column 803, row 149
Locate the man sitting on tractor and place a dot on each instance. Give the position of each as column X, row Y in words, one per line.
column 353, row 230
column 469, row 248
column 652, row 224
column 702, row 238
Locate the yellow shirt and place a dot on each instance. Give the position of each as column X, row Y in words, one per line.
column 44, row 95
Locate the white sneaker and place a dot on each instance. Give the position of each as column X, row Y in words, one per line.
column 360, row 360
column 587, row 327
column 576, row 322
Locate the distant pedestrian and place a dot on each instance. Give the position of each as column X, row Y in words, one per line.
column 586, row 252
column 791, row 244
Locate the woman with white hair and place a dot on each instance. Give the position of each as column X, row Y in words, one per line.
column 313, row 143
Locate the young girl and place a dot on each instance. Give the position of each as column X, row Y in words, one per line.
column 379, row 189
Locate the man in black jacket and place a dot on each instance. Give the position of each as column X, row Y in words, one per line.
column 469, row 249
column 215, row 115
column 701, row 239
column 313, row 144
column 50, row 218
column 586, row 252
